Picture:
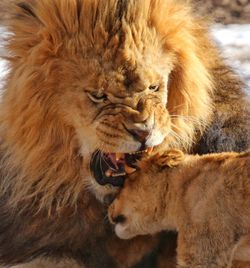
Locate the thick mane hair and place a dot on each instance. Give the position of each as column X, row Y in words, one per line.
column 39, row 159
column 49, row 199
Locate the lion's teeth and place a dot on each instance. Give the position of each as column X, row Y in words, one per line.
column 119, row 156
column 108, row 173
column 129, row 170
column 118, row 174
column 150, row 150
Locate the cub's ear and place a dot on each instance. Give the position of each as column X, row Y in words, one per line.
column 170, row 158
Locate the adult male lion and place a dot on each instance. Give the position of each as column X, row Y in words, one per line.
column 91, row 84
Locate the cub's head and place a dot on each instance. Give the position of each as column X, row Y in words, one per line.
column 103, row 81
column 142, row 205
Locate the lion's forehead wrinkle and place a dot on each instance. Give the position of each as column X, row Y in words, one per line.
column 109, row 33
column 122, row 79
column 133, row 45
column 124, row 66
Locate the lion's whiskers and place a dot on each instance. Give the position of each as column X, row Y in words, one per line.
column 106, row 162
column 192, row 119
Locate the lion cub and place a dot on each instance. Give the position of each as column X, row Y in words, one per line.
column 205, row 198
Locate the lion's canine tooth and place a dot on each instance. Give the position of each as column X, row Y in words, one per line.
column 108, row 173
column 118, row 156
column 129, row 170
column 118, row 174
column 150, row 150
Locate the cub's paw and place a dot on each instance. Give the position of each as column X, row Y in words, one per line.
column 170, row 158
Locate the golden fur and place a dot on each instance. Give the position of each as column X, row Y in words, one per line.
column 62, row 55
column 61, row 52
column 205, row 198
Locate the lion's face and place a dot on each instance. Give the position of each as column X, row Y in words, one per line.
column 109, row 79
column 117, row 106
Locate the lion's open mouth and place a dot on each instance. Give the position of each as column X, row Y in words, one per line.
column 112, row 168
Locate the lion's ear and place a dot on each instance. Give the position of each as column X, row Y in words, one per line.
column 44, row 23
column 25, row 9
column 24, row 26
column 22, row 14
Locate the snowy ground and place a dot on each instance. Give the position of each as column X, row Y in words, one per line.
column 234, row 41
column 3, row 66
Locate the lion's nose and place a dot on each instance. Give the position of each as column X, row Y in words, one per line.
column 118, row 219
column 140, row 135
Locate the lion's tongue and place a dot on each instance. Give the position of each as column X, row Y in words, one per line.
column 116, row 159
column 120, row 168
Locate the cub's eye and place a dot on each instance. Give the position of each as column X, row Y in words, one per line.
column 154, row 87
column 97, row 97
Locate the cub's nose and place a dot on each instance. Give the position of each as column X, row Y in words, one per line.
column 118, row 219
column 140, row 135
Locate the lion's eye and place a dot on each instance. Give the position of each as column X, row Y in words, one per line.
column 97, row 97
column 154, row 87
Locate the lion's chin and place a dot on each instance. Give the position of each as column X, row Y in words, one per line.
column 104, row 193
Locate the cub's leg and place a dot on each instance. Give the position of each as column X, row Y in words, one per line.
column 204, row 251
column 170, row 158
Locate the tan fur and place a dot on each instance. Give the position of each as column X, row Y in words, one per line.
column 62, row 50
column 205, row 198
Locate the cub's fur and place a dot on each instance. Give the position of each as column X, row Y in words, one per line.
column 154, row 63
column 205, row 198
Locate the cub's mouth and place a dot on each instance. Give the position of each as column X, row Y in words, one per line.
column 112, row 168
